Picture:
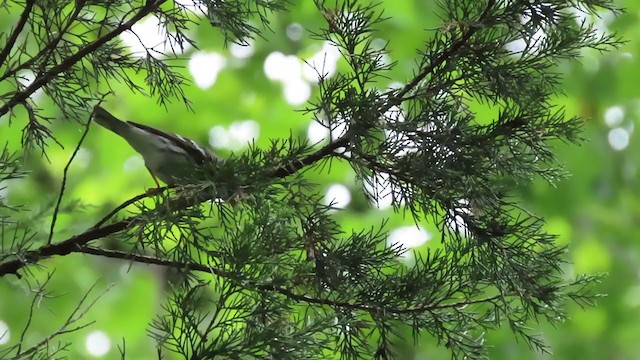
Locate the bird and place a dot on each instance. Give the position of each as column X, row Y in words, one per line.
column 173, row 159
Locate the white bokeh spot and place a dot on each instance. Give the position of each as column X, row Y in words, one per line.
column 26, row 78
column 296, row 75
column 150, row 33
column 242, row 51
column 281, row 67
column 5, row 334
column 204, row 67
column 98, row 343
column 323, row 63
column 380, row 189
column 244, row 131
column 218, row 137
column 317, row 132
column 531, row 45
column 295, row 31
column 297, row 92
column 237, row 136
column 614, row 116
column 82, row 159
column 456, row 219
column 618, row 139
column 194, row 6
column 338, row 196
column 408, row 237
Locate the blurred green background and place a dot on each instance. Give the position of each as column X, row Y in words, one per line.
column 255, row 93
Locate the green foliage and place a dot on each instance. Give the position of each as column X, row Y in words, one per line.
column 252, row 262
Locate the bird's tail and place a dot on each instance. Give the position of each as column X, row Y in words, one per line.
column 103, row 118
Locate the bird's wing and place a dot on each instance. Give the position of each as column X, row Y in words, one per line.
column 200, row 154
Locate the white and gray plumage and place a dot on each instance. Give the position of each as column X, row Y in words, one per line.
column 168, row 157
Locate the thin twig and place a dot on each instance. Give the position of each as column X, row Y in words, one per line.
column 16, row 32
column 64, row 180
column 36, row 297
column 74, row 317
column 124, row 205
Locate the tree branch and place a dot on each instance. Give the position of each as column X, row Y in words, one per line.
column 16, row 32
column 47, row 49
column 56, row 210
column 43, row 79
column 251, row 285
column 396, row 99
column 63, row 248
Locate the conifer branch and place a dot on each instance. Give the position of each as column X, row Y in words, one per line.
column 66, row 64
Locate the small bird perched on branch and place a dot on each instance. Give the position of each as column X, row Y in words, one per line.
column 169, row 157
